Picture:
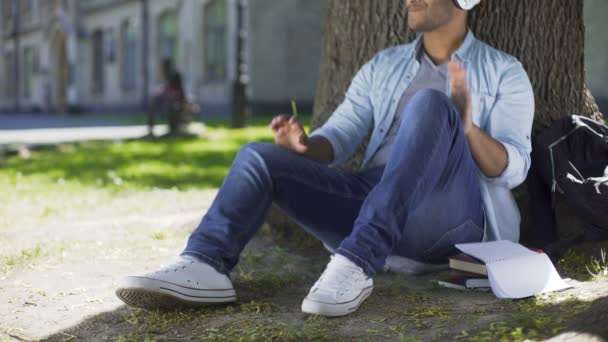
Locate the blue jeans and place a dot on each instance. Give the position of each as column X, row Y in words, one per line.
column 421, row 203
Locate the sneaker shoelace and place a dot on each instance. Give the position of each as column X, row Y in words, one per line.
column 337, row 275
column 180, row 263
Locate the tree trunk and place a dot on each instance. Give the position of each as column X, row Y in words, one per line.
column 547, row 36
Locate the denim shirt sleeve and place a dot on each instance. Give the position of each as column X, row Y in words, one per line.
column 353, row 119
column 510, row 122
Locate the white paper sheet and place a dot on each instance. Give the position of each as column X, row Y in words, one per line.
column 515, row 271
column 494, row 251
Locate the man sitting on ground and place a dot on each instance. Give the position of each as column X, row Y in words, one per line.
column 447, row 145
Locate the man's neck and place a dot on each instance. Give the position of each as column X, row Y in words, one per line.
column 440, row 44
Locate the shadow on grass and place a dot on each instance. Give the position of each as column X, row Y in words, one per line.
column 272, row 318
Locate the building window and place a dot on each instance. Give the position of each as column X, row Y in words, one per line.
column 27, row 72
column 109, row 45
column 46, row 7
column 98, row 62
column 35, row 61
column 26, row 10
column 167, row 36
column 215, row 40
column 128, row 61
column 9, row 65
column 7, row 15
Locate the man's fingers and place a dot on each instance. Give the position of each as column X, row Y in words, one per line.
column 282, row 131
column 295, row 121
column 458, row 78
column 455, row 65
column 455, row 68
column 296, row 126
column 278, row 122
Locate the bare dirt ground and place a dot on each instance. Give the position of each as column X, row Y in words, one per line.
column 60, row 262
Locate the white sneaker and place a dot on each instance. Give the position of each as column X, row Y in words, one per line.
column 340, row 290
column 185, row 282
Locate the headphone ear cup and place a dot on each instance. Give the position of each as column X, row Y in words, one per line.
column 466, row 5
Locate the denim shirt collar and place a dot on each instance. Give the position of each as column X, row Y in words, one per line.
column 462, row 53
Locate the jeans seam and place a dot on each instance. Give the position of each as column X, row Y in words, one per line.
column 207, row 259
column 297, row 178
column 426, row 252
column 418, row 184
column 265, row 167
column 467, row 222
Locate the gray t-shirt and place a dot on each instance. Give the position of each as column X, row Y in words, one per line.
column 429, row 76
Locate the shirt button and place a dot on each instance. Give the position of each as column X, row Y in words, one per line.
column 381, row 130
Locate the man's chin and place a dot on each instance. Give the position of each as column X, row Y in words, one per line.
column 418, row 28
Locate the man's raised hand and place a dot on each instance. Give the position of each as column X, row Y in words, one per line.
column 461, row 97
column 289, row 133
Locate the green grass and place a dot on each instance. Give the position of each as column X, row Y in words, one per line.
column 27, row 255
column 584, row 264
column 159, row 236
column 533, row 318
column 165, row 163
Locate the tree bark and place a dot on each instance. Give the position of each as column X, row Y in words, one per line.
column 547, row 36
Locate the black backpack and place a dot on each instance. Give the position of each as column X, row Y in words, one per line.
column 569, row 158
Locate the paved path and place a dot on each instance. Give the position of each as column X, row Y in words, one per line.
column 47, row 136
column 26, row 129
column 30, row 121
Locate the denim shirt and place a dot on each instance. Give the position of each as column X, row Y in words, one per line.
column 502, row 105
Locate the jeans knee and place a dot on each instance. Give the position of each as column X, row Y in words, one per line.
column 264, row 154
column 265, row 150
column 251, row 147
column 430, row 95
column 249, row 152
column 428, row 108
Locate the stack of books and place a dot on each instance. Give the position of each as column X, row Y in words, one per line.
column 466, row 272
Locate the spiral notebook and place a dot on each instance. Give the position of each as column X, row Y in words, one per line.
column 515, row 271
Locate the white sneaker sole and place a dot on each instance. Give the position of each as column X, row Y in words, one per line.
column 151, row 293
column 335, row 310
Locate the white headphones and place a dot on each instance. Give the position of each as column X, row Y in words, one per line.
column 466, row 5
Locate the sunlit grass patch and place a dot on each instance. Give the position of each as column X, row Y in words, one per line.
column 598, row 268
column 182, row 163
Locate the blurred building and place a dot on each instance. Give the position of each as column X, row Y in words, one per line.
column 87, row 55
column 596, row 51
